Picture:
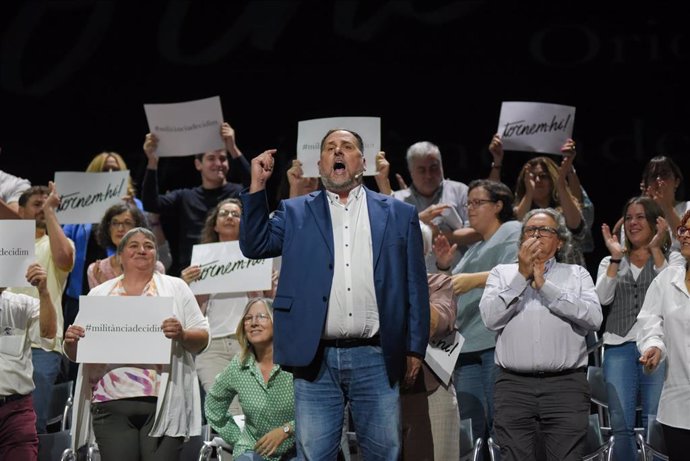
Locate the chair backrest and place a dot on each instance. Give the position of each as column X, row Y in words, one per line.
column 596, row 446
column 655, row 435
column 55, row 446
column 193, row 447
column 61, row 404
column 597, row 386
column 470, row 446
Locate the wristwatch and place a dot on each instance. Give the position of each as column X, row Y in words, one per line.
column 286, row 428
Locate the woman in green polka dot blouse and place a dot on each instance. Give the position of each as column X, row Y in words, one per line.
column 264, row 391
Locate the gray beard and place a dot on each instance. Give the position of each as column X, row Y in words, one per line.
column 346, row 186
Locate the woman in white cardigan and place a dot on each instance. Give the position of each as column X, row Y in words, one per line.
column 142, row 411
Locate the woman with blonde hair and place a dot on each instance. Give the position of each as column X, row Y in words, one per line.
column 264, row 390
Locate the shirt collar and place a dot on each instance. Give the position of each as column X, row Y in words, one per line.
column 353, row 195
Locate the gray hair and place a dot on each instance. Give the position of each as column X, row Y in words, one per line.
column 562, row 230
column 420, row 150
column 130, row 233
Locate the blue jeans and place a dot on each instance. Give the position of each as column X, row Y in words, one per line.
column 46, row 368
column 474, row 378
column 356, row 375
column 626, row 385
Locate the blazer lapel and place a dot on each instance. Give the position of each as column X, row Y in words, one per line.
column 378, row 221
column 318, row 205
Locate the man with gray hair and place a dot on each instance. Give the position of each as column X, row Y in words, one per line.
column 440, row 202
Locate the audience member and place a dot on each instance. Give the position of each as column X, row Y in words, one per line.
column 264, row 389
column 431, row 194
column 430, row 417
column 86, row 247
column 223, row 310
column 24, row 321
column 541, row 183
column 572, row 179
column 663, row 337
column 541, row 310
column 622, row 281
column 189, row 207
column 55, row 253
column 662, row 180
column 352, row 303
column 11, row 187
column 142, row 411
column 490, row 211
column 116, row 222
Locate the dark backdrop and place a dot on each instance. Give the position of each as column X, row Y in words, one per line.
column 74, row 76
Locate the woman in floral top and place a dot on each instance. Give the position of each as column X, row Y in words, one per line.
column 264, row 390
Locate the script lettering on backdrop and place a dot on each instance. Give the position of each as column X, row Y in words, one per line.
column 224, row 269
column 186, row 128
column 17, row 246
column 442, row 354
column 535, row 127
column 310, row 133
column 85, row 197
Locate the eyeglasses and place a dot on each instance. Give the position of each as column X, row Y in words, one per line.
column 124, row 224
column 260, row 318
column 682, row 231
column 539, row 231
column 225, row 213
column 477, row 202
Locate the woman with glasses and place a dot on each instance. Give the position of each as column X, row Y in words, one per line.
column 542, row 183
column 263, row 388
column 622, row 282
column 223, row 310
column 662, row 338
column 490, row 213
column 135, row 410
column 116, row 222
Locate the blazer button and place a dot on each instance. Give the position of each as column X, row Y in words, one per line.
column 330, row 266
column 325, row 299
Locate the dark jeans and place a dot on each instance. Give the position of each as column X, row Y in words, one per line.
column 122, row 426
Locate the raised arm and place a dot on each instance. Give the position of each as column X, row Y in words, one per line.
column 36, row 276
column 61, row 248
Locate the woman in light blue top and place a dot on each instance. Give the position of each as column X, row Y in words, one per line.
column 490, row 212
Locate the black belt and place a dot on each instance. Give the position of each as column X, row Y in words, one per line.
column 351, row 342
column 545, row 374
column 11, row 398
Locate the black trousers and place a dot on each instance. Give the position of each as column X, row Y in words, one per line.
column 121, row 428
column 555, row 407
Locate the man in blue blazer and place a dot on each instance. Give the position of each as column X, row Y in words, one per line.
column 351, row 310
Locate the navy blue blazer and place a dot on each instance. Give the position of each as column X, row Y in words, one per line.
column 301, row 232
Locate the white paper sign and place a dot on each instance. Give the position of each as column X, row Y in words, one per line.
column 123, row 329
column 441, row 355
column 535, row 127
column 186, row 128
column 224, row 269
column 311, row 132
column 17, row 251
column 85, row 197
